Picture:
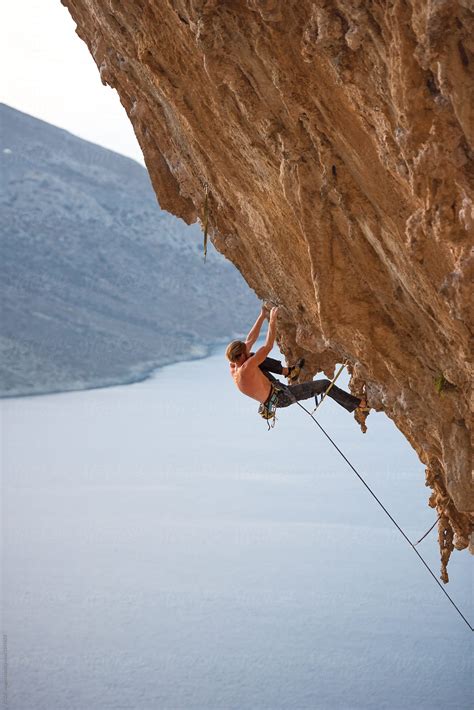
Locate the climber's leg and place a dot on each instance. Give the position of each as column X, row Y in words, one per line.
column 272, row 365
column 295, row 393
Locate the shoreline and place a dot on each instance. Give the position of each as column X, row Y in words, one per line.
column 146, row 374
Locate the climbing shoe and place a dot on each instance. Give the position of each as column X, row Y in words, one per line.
column 361, row 414
column 295, row 371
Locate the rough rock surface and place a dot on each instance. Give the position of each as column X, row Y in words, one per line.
column 336, row 141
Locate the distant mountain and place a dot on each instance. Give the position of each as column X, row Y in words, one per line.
column 98, row 285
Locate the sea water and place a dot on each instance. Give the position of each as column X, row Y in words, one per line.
column 162, row 549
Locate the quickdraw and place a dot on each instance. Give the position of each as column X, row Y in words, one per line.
column 325, row 394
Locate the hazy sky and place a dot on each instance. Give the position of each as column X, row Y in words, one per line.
column 47, row 71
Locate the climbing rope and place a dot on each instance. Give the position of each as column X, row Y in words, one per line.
column 310, row 414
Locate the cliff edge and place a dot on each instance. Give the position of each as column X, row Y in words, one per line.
column 335, row 139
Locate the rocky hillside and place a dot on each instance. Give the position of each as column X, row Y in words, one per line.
column 336, row 140
column 98, row 285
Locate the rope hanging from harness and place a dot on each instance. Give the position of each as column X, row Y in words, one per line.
column 267, row 410
column 407, row 539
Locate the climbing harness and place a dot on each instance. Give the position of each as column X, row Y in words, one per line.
column 267, row 409
column 205, row 221
column 413, row 546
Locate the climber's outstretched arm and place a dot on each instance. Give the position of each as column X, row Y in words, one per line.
column 255, row 330
column 264, row 351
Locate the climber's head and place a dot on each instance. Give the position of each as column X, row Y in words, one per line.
column 236, row 351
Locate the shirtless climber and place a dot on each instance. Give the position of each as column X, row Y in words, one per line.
column 251, row 373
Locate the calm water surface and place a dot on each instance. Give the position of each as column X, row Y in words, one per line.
column 161, row 549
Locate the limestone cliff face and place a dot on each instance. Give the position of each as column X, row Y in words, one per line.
column 335, row 138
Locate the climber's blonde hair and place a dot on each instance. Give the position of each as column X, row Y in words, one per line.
column 235, row 349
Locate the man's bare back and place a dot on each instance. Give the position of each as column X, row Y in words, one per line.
column 250, row 380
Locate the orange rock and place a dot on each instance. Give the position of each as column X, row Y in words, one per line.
column 336, row 141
